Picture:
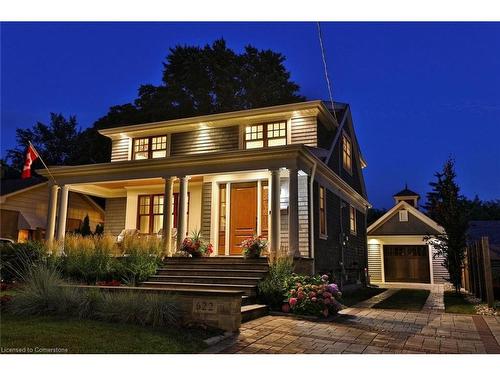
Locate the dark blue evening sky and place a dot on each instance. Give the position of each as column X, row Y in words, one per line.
column 419, row 91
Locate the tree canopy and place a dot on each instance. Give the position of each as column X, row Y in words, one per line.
column 195, row 81
column 206, row 80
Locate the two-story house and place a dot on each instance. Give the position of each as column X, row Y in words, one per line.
column 292, row 173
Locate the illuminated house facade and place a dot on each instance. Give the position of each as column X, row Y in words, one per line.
column 291, row 173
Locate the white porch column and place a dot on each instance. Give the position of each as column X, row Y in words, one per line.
column 293, row 212
column 63, row 211
column 51, row 213
column 182, row 211
column 275, row 211
column 168, row 200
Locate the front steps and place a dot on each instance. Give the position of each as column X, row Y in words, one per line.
column 214, row 273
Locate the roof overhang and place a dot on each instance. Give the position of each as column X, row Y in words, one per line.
column 248, row 116
column 289, row 156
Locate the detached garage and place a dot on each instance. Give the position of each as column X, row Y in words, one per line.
column 397, row 252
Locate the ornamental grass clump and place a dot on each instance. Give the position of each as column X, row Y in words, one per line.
column 140, row 259
column 273, row 289
column 312, row 296
column 87, row 259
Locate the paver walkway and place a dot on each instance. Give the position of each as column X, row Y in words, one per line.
column 362, row 330
column 370, row 302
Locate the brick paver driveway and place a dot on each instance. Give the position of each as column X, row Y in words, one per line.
column 364, row 330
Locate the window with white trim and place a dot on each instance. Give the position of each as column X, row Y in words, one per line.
column 403, row 215
column 150, row 147
column 322, row 211
column 352, row 220
column 265, row 135
column 346, row 153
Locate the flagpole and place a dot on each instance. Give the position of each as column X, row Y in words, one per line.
column 45, row 165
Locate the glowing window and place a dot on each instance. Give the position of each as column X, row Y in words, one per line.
column 265, row 135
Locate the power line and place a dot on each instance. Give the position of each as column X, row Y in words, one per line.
column 320, row 36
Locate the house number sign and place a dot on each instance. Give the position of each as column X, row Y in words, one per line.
column 204, row 306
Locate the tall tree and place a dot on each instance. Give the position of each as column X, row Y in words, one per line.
column 210, row 79
column 56, row 143
column 447, row 207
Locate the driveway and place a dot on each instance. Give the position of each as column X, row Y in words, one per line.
column 365, row 330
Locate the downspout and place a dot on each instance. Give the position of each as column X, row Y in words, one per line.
column 311, row 212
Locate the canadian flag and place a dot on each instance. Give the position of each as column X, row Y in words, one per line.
column 31, row 156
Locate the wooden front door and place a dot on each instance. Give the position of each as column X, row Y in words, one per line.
column 406, row 263
column 243, row 214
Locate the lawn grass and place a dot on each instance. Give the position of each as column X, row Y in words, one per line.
column 405, row 299
column 89, row 336
column 358, row 295
column 456, row 303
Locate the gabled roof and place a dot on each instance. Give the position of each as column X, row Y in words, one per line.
column 403, row 205
column 10, row 186
column 406, row 193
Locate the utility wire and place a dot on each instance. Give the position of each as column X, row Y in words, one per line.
column 320, row 36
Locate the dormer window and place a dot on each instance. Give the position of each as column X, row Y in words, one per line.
column 150, row 147
column 347, row 153
column 265, row 135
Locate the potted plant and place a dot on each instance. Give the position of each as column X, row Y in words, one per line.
column 253, row 246
column 195, row 246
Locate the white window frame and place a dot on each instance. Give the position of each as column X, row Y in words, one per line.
column 403, row 215
column 352, row 220
column 322, row 235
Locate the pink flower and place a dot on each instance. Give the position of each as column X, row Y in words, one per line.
column 300, row 295
column 327, row 295
column 311, row 294
column 314, row 299
column 324, row 278
column 292, row 301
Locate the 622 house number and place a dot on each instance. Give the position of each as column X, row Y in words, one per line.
column 204, row 306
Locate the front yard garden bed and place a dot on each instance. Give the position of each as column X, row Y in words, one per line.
column 457, row 303
column 405, row 299
column 72, row 335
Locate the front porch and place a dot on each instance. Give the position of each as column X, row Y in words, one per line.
column 226, row 206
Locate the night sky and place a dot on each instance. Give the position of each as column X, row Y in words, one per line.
column 419, row 92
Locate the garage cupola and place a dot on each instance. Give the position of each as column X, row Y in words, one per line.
column 408, row 196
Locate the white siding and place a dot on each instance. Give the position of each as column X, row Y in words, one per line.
column 440, row 274
column 375, row 262
column 115, row 216
column 32, row 207
column 304, row 130
column 120, row 149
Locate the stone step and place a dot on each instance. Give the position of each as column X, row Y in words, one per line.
column 250, row 312
column 211, row 272
column 216, row 265
column 217, row 259
column 251, row 281
column 247, row 290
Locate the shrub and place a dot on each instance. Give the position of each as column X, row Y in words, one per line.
column 14, row 258
column 43, row 293
column 87, row 259
column 143, row 309
column 272, row 290
column 313, row 295
column 140, row 260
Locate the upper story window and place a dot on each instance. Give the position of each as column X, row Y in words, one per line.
column 352, row 220
column 150, row 147
column 403, row 215
column 265, row 135
column 322, row 211
column 347, row 153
